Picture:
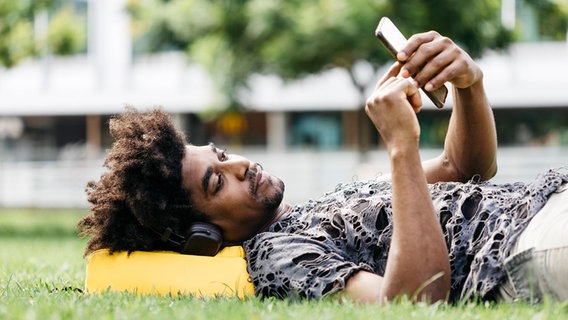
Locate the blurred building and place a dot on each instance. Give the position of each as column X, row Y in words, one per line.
column 54, row 111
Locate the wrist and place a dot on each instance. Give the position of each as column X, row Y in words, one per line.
column 401, row 152
column 471, row 95
column 475, row 84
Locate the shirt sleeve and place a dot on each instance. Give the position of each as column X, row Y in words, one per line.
column 297, row 266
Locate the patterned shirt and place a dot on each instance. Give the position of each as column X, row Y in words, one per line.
column 314, row 250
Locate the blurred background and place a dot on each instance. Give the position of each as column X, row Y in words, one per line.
column 281, row 82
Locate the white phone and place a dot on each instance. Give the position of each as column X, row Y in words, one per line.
column 394, row 41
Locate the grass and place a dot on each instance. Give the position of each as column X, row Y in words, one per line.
column 42, row 274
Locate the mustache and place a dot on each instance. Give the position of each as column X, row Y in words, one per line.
column 251, row 175
column 253, row 171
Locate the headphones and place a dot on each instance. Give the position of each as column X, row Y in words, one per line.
column 202, row 239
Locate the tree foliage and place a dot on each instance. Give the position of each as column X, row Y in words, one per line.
column 66, row 33
column 16, row 29
column 552, row 18
column 234, row 39
column 18, row 36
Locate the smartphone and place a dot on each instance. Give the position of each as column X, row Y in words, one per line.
column 394, row 41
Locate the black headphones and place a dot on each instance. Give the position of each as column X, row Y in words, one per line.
column 203, row 239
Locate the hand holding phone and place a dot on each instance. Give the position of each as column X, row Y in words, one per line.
column 394, row 41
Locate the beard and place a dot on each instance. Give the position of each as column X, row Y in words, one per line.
column 272, row 201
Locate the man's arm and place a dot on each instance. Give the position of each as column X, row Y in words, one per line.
column 471, row 142
column 418, row 264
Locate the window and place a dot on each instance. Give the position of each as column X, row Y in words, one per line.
column 320, row 130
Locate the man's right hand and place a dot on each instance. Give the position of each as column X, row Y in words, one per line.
column 392, row 108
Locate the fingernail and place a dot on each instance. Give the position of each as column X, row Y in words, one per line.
column 428, row 87
column 401, row 56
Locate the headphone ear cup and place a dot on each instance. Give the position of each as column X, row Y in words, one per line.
column 203, row 239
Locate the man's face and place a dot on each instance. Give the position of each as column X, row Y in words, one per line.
column 234, row 192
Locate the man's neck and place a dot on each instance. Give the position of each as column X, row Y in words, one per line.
column 283, row 209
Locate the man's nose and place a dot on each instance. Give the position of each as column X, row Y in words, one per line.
column 236, row 165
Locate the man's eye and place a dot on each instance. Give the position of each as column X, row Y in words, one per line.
column 219, row 183
column 223, row 156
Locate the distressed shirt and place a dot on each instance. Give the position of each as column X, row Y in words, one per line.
column 314, row 250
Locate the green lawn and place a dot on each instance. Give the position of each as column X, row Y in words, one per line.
column 42, row 272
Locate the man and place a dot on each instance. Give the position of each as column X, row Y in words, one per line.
column 444, row 233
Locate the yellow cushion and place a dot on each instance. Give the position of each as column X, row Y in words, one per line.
column 169, row 272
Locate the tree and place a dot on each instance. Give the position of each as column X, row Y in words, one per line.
column 551, row 18
column 16, row 30
column 66, row 33
column 18, row 39
column 234, row 39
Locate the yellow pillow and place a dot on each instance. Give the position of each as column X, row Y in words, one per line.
column 163, row 272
